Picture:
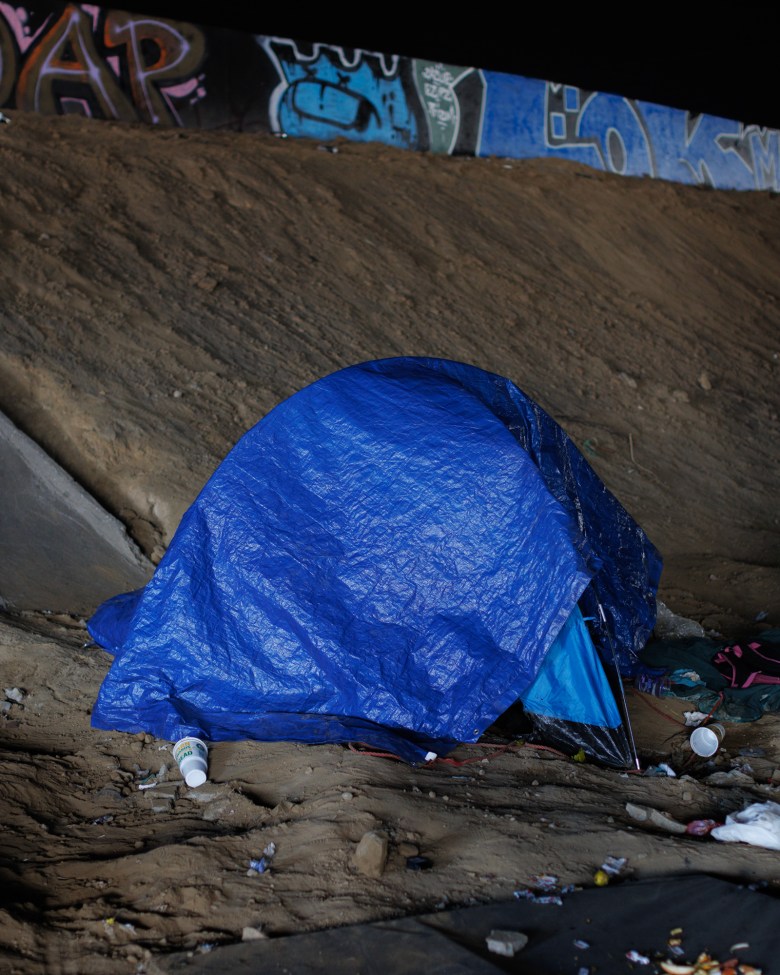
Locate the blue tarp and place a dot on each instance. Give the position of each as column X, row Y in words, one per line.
column 386, row 557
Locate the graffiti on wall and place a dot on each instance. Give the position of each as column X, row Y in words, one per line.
column 103, row 64
column 328, row 92
column 70, row 58
column 634, row 138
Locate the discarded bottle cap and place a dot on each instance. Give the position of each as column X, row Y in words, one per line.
column 191, row 756
column 706, row 739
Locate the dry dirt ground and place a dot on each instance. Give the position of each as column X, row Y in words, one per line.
column 162, row 291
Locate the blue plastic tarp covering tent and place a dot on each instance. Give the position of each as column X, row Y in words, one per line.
column 387, row 557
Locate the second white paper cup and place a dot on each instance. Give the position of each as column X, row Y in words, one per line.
column 706, row 739
column 192, row 757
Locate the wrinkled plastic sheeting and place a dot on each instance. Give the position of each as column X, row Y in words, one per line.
column 757, row 824
column 386, row 557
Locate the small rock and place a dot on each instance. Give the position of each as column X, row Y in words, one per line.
column 776, row 777
column 734, row 777
column 408, row 849
column 109, row 792
column 506, row 943
column 347, row 796
column 371, row 854
column 628, row 380
column 669, row 626
column 252, row 934
column 704, row 381
column 162, row 806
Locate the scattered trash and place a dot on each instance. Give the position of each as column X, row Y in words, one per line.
column 658, row 771
column 580, row 756
column 638, row 959
column 707, row 739
column 760, row 617
column 652, row 680
column 506, row 943
column 264, row 863
column 646, row 814
column 332, row 149
column 4, row 119
column 544, row 890
column 545, row 881
column 614, row 866
column 707, row 965
column 15, row 694
column 370, row 855
column 582, row 945
column 739, row 946
column 694, row 718
column 191, row 756
column 102, row 820
column 757, row 824
column 701, row 827
column 418, row 863
column 601, row 878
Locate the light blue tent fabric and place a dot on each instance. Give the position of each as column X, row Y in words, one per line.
column 387, row 557
column 572, row 662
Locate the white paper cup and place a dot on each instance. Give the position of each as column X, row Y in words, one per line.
column 706, row 739
column 192, row 757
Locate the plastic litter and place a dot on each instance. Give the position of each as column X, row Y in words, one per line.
column 757, row 824
column 636, row 958
column 544, row 891
column 614, row 866
column 15, row 694
column 191, row 756
column 582, row 945
column 707, row 739
column 701, row 827
column 544, row 881
column 264, row 862
column 506, row 943
column 658, row 771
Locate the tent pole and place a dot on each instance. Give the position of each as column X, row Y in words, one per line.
column 630, row 730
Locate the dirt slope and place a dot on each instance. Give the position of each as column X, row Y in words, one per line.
column 164, row 289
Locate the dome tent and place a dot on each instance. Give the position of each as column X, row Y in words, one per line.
column 394, row 555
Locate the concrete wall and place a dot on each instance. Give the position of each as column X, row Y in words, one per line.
column 76, row 58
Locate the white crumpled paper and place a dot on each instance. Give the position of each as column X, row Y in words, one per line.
column 758, row 825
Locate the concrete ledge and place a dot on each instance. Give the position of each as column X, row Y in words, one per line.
column 61, row 550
